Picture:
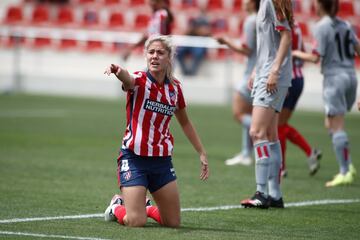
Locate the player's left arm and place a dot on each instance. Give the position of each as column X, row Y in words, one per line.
column 305, row 56
column 285, row 44
column 191, row 134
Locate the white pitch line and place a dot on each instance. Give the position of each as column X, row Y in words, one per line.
column 38, row 235
column 200, row 209
column 16, row 220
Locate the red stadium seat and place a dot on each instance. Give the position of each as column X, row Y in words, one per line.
column 40, row 15
column 11, row 41
column 137, row 3
column 93, row 45
column 112, row 2
column 214, row 5
column 237, row 5
column 67, row 43
column 65, row 15
column 116, row 20
column 346, row 9
column 41, row 42
column 14, row 14
column 141, row 21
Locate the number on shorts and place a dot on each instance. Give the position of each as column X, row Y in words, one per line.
column 124, row 165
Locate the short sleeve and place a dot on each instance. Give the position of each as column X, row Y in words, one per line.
column 320, row 40
column 181, row 100
column 280, row 23
column 249, row 34
column 353, row 37
column 140, row 79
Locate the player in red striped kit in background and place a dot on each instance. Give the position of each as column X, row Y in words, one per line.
column 153, row 97
column 287, row 131
column 161, row 23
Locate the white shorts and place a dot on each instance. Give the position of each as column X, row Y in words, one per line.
column 262, row 98
column 242, row 88
column 339, row 92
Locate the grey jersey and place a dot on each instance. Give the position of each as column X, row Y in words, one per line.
column 268, row 29
column 249, row 40
column 334, row 42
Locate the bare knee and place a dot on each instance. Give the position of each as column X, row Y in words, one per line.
column 135, row 220
column 237, row 115
column 256, row 134
column 172, row 223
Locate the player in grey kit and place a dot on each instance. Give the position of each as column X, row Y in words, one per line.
column 269, row 88
column 242, row 102
column 335, row 46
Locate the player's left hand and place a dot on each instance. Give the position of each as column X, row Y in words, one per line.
column 204, row 167
column 271, row 84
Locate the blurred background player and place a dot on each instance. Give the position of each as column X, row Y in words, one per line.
column 190, row 58
column 242, row 102
column 145, row 162
column 335, row 46
column 269, row 88
column 160, row 24
column 287, row 131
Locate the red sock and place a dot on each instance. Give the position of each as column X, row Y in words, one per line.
column 153, row 212
column 282, row 131
column 120, row 213
column 295, row 137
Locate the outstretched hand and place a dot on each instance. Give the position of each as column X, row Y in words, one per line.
column 112, row 69
column 204, row 167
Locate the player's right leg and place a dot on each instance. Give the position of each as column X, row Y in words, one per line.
column 134, row 199
column 261, row 122
column 340, row 142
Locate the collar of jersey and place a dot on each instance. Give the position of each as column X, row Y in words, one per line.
column 148, row 74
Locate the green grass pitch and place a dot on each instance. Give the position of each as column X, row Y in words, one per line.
column 57, row 158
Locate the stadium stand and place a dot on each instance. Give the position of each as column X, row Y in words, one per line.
column 226, row 17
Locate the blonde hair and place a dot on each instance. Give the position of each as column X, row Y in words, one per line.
column 166, row 41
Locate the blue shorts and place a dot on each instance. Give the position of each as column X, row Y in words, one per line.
column 150, row 172
column 294, row 93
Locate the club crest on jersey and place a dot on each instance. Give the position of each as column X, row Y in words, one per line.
column 172, row 96
column 159, row 107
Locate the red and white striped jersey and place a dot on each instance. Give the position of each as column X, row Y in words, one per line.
column 149, row 109
column 159, row 23
column 297, row 44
